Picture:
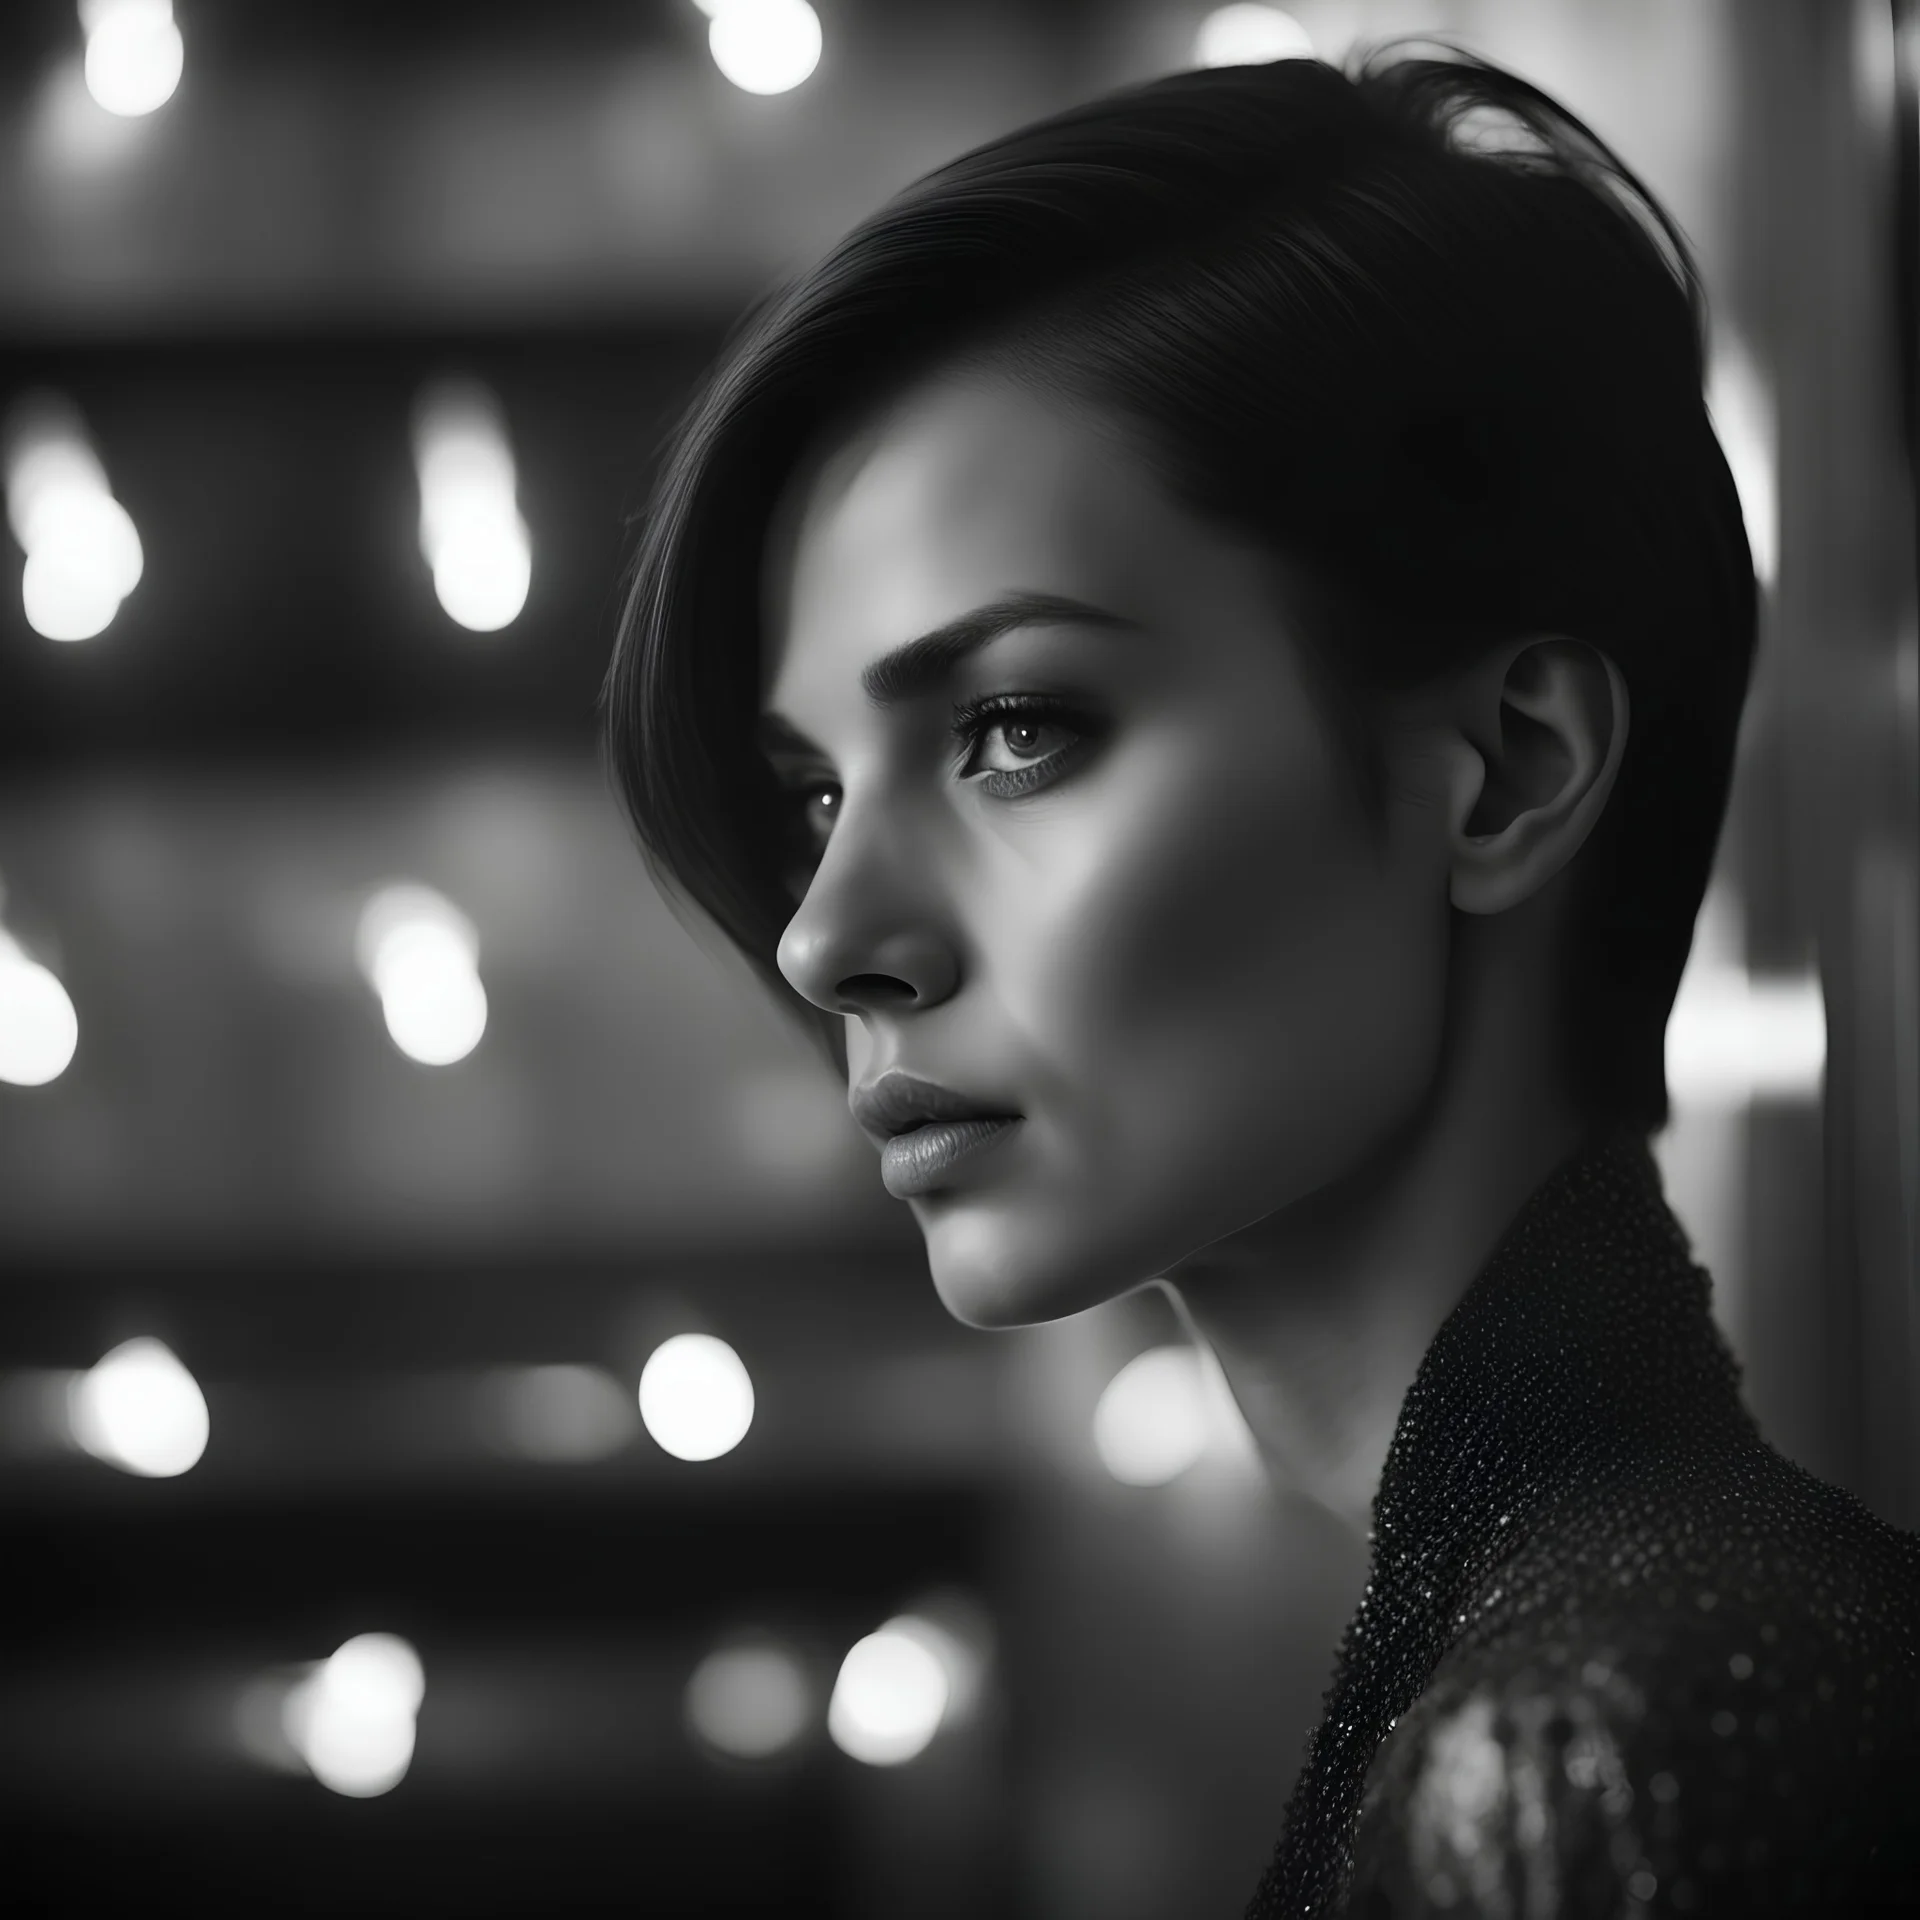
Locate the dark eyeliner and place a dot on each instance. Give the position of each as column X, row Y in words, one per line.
column 970, row 721
column 973, row 718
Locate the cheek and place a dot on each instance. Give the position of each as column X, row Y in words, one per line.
column 1243, row 996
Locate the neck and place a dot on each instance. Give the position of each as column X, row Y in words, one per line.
column 1321, row 1313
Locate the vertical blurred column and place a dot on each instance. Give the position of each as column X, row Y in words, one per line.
column 1821, row 238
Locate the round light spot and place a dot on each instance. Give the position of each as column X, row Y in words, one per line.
column 888, row 1700
column 695, row 1397
column 378, row 1670
column 1153, row 1420
column 482, row 574
column 1247, row 35
column 63, row 601
column 561, row 1414
column 419, row 954
column 434, row 1005
column 76, row 521
column 39, row 1029
column 749, row 1701
column 471, row 531
column 134, row 56
column 352, row 1718
column 765, row 46
column 140, row 1410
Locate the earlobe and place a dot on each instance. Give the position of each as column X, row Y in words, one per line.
column 1552, row 731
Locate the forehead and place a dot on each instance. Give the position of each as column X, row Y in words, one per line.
column 965, row 487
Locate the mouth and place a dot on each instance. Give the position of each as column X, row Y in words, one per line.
column 897, row 1104
column 925, row 1130
column 920, row 1159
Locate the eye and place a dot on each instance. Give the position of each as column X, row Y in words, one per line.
column 815, row 806
column 1038, row 737
column 1023, row 723
column 1021, row 731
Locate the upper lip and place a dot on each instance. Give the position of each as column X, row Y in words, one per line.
column 897, row 1103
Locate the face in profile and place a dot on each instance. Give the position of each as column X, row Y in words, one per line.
column 1109, row 871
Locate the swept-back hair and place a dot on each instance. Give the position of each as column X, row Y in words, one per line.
column 1410, row 324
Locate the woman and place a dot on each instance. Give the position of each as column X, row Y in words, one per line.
column 1200, row 650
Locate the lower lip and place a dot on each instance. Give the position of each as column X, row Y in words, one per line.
column 914, row 1162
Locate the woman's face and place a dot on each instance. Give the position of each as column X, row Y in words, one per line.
column 1147, row 915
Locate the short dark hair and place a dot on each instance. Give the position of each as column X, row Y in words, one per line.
column 1409, row 323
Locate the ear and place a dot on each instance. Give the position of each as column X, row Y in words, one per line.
column 1539, row 731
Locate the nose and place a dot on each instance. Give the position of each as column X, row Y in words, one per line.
column 845, row 973
column 859, row 945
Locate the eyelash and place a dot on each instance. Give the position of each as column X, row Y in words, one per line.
column 976, row 718
column 972, row 720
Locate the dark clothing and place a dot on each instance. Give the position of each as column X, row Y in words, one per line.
column 1616, row 1655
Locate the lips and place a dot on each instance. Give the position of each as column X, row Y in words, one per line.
column 897, row 1103
column 924, row 1159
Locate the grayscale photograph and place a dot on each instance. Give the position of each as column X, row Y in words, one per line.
column 960, row 959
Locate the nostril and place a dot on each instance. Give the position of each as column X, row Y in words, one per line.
column 862, row 988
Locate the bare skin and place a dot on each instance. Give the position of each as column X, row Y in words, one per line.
column 1294, row 1064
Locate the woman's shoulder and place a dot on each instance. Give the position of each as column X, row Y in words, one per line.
column 1686, row 1749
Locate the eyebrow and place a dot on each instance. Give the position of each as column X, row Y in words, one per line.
column 922, row 665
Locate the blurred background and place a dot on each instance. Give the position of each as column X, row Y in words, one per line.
column 475, row 1436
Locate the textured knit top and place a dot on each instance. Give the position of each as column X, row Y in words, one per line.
column 1616, row 1656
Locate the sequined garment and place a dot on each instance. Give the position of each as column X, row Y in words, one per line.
column 1616, row 1656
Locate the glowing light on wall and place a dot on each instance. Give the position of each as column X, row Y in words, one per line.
column 83, row 553
column 1248, row 35
column 763, row 46
column 889, row 1698
column 352, row 1718
column 39, row 1029
column 561, row 1414
column 749, row 1700
column 421, row 955
column 471, row 531
column 140, row 1410
column 134, row 56
column 1735, row 1038
column 695, row 1397
column 1155, row 1418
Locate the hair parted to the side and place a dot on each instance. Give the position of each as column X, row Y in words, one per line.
column 1412, row 325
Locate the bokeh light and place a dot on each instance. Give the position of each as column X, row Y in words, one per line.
column 1248, row 34
column 764, row 46
column 1154, row 1419
column 63, row 601
column 695, row 1397
column 140, row 1410
column 420, row 954
column 889, row 1697
column 83, row 552
column 957, row 1632
column 352, row 1719
column 471, row 532
column 561, row 1414
column 749, row 1699
column 134, row 56
column 39, row 1029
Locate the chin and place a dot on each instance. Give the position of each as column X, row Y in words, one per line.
column 996, row 1275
